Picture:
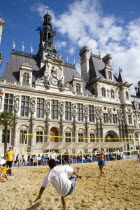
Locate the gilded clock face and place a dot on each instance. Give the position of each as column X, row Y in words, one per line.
column 54, row 81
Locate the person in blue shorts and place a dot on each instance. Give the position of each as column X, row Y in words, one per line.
column 101, row 161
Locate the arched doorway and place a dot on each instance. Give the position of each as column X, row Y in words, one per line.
column 53, row 132
column 111, row 136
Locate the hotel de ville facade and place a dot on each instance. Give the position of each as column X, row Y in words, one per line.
column 49, row 97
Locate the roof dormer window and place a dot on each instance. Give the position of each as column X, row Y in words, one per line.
column 103, row 92
column 25, row 78
column 110, row 75
column 78, row 88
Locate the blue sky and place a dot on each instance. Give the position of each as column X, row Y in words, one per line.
column 107, row 26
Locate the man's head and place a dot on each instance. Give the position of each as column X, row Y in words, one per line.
column 52, row 163
column 10, row 148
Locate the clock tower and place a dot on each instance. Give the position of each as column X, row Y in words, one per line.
column 46, row 46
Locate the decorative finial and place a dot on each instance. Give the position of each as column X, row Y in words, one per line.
column 31, row 49
column 67, row 59
column 90, row 50
column 14, row 45
column 120, row 69
column 99, row 53
column 23, row 48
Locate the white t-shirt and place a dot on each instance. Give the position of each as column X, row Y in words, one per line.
column 59, row 179
column 53, row 156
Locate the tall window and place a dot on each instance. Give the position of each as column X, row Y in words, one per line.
column 80, row 137
column 68, row 110
column 68, row 135
column 127, row 95
column 54, row 109
column 25, row 78
column 8, row 136
column 109, row 75
column 112, row 94
column 92, row 137
column 80, row 112
column 103, row 92
column 40, row 108
column 8, row 102
column 78, row 88
column 91, row 113
column 23, row 138
column 130, row 119
column 39, row 136
column 25, row 106
column 115, row 118
column 105, row 117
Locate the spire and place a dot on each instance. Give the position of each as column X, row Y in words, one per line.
column 14, row 45
column 23, row 48
column 31, row 49
column 121, row 77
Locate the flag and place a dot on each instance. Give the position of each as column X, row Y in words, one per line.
column 55, row 33
column 39, row 29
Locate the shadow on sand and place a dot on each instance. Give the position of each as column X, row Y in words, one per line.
column 35, row 206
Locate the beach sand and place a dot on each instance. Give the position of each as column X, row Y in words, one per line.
column 119, row 190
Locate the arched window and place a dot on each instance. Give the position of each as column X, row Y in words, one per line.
column 112, row 94
column 78, row 88
column 103, row 92
column 26, row 78
column 127, row 95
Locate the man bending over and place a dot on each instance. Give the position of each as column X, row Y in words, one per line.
column 59, row 179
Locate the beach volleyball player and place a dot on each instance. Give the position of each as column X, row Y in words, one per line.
column 101, row 161
column 59, row 179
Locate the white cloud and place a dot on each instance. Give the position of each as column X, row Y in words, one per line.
column 60, row 44
column 84, row 24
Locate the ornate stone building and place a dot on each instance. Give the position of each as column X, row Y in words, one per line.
column 49, row 97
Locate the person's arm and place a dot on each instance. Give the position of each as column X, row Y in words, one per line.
column 44, row 185
column 40, row 193
column 75, row 173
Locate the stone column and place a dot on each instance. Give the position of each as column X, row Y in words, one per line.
column 74, row 122
column 86, row 124
column 47, row 129
column 61, row 126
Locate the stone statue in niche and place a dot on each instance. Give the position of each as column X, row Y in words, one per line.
column 86, row 111
column 33, row 106
column 74, row 110
column 17, row 103
column 61, row 108
column 48, row 107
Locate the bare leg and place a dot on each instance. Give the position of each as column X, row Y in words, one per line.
column 101, row 170
column 63, row 199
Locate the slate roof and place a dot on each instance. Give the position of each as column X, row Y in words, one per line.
column 11, row 72
column 97, row 67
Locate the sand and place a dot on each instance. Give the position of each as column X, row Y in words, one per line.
column 119, row 190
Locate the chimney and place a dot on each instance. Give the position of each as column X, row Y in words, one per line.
column 84, row 57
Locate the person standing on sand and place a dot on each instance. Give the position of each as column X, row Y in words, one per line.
column 101, row 161
column 9, row 159
column 59, row 179
column 138, row 156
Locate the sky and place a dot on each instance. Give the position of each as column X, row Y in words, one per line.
column 106, row 26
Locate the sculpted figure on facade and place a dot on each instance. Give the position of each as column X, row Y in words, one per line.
column 61, row 108
column 48, row 107
column 32, row 105
column 74, row 110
